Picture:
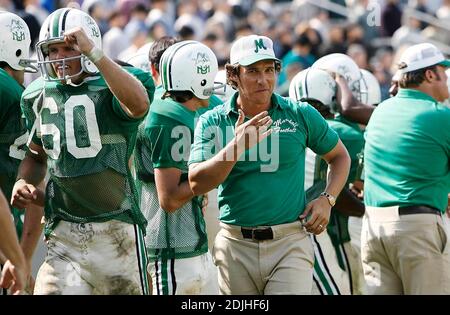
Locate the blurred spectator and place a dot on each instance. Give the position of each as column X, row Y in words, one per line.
column 136, row 31
column 380, row 65
column 139, row 12
column 313, row 35
column 359, row 54
column 114, row 40
column 391, row 17
column 99, row 11
column 260, row 18
column 126, row 6
column 420, row 6
column 303, row 11
column 222, row 19
column 34, row 26
column 354, row 34
column 186, row 33
column 240, row 8
column 364, row 19
column 336, row 42
column 337, row 16
column 159, row 20
column 408, row 33
column 7, row 5
column 187, row 17
column 443, row 12
column 34, row 8
column 321, row 25
column 244, row 29
column 299, row 57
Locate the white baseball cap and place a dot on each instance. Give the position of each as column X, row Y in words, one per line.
column 421, row 56
column 250, row 49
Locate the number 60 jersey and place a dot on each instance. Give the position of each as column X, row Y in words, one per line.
column 89, row 140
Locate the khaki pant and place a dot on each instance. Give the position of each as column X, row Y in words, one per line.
column 94, row 258
column 283, row 265
column 407, row 254
column 353, row 250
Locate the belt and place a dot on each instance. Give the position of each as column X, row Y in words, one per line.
column 417, row 210
column 259, row 234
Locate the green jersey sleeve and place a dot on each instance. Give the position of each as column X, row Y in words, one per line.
column 170, row 144
column 321, row 138
column 205, row 133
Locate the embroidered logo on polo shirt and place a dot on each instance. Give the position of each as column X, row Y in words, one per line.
column 284, row 126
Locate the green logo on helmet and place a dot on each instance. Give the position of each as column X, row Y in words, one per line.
column 259, row 44
column 203, row 63
column 17, row 30
column 93, row 26
column 203, row 69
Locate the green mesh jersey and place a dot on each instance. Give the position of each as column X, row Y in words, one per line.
column 88, row 139
column 164, row 141
column 13, row 137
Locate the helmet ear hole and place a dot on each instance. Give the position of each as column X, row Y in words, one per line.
column 203, row 83
column 18, row 52
column 88, row 66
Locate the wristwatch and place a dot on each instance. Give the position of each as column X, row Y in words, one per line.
column 331, row 198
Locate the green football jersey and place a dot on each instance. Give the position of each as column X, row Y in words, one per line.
column 13, row 137
column 13, row 134
column 88, row 139
column 164, row 141
column 316, row 174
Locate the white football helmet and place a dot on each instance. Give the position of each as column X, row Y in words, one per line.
column 370, row 88
column 223, row 90
column 314, row 85
column 52, row 31
column 189, row 66
column 15, row 42
column 344, row 66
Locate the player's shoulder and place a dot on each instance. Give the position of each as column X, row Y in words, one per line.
column 140, row 74
column 34, row 89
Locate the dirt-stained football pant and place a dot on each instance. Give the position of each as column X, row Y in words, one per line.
column 94, row 258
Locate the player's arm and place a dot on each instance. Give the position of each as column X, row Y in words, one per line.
column 351, row 108
column 32, row 229
column 172, row 193
column 31, row 173
column 15, row 271
column 207, row 175
column 130, row 92
column 319, row 209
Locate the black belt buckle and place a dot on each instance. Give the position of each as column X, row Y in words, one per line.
column 259, row 234
column 405, row 210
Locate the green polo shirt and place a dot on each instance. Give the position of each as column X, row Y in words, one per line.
column 266, row 186
column 407, row 151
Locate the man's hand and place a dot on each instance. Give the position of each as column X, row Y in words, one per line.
column 14, row 278
column 320, row 210
column 23, row 194
column 78, row 40
column 253, row 131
